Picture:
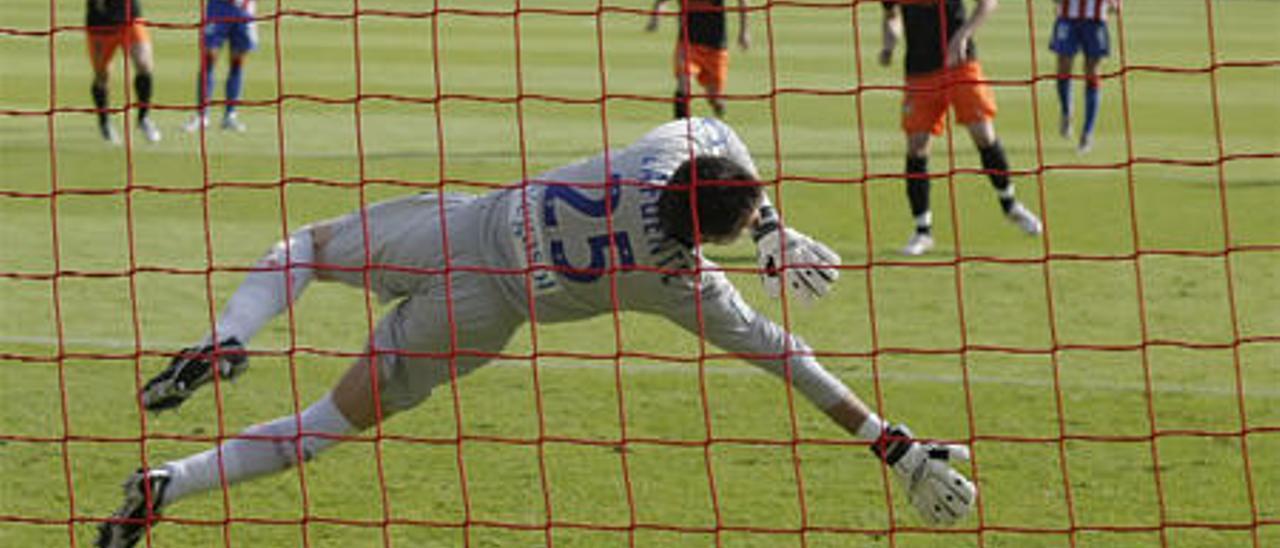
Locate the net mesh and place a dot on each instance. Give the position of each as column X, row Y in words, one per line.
column 44, row 278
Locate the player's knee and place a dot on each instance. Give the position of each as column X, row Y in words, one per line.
column 983, row 133
column 402, row 390
column 143, row 61
column 918, row 145
column 319, row 235
column 297, row 253
column 393, row 403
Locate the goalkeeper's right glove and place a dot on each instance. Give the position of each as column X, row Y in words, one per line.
column 810, row 266
column 942, row 495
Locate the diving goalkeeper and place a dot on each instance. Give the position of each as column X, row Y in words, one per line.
column 622, row 230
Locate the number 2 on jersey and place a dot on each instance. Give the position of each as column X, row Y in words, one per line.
column 598, row 244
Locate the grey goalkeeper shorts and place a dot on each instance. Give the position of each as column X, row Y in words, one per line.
column 451, row 317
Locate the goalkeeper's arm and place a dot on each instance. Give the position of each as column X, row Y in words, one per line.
column 941, row 494
column 714, row 310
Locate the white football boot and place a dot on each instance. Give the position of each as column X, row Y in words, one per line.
column 919, row 244
column 196, row 122
column 231, row 122
column 109, row 133
column 1086, row 144
column 1025, row 219
column 149, row 130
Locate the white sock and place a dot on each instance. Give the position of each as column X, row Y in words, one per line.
column 924, row 220
column 259, row 450
column 262, row 294
column 871, row 428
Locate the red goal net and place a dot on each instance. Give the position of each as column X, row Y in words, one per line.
column 1117, row 379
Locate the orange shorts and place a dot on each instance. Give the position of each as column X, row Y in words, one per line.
column 924, row 108
column 103, row 41
column 710, row 66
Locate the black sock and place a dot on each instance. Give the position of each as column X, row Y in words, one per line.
column 682, row 105
column 918, row 192
column 100, row 102
column 142, row 86
column 996, row 165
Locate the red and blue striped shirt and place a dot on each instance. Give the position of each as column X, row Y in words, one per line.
column 1091, row 10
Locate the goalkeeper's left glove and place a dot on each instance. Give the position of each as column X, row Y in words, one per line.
column 809, row 266
column 942, row 495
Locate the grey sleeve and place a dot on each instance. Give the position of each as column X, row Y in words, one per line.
column 728, row 322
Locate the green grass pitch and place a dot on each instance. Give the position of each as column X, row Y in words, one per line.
column 69, row 427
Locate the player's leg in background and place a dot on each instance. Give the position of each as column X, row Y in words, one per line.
column 924, row 107
column 212, row 37
column 924, row 110
column 1065, row 44
column 102, row 45
column 713, row 72
column 994, row 160
column 715, row 100
column 996, row 165
column 143, row 56
column 1065, row 63
column 975, row 107
column 204, row 90
column 1092, row 100
column 244, row 39
column 1095, row 41
column 918, row 187
column 683, row 74
column 235, row 87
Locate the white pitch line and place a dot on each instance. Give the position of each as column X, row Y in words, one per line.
column 657, row 367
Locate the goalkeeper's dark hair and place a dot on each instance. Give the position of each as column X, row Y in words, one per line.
column 725, row 192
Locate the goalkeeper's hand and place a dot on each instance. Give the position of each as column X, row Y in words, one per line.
column 810, row 265
column 942, row 495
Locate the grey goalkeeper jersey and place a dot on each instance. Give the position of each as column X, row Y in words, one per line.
column 589, row 236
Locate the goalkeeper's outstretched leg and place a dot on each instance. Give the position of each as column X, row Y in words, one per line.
column 277, row 280
column 410, row 357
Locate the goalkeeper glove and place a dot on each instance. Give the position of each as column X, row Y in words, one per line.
column 810, row 265
column 942, row 495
